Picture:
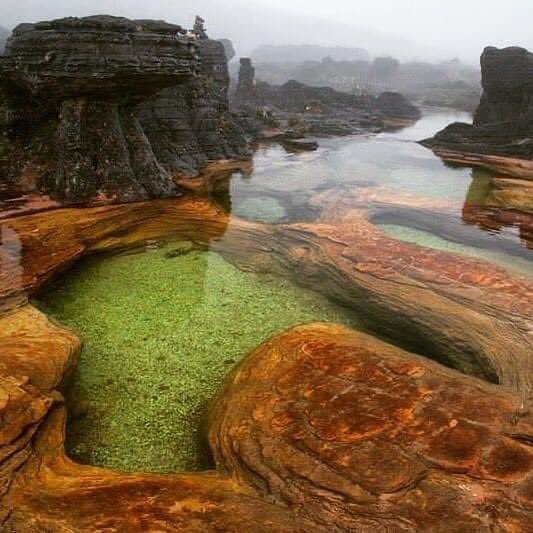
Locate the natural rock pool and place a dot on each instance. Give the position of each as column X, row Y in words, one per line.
column 164, row 326
column 160, row 333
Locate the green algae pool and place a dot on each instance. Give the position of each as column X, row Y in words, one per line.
column 160, row 334
column 513, row 264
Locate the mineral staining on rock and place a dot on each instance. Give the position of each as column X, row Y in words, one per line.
column 320, row 425
column 108, row 109
column 161, row 330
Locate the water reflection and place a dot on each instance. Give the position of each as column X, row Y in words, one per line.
column 280, row 186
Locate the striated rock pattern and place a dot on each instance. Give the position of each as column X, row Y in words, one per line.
column 503, row 120
column 319, row 429
column 105, row 108
column 190, row 124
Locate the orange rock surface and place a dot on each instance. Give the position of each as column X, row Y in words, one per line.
column 319, row 429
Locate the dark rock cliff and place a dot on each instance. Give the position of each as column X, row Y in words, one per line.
column 106, row 108
column 503, row 121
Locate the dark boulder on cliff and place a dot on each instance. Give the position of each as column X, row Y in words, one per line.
column 503, row 121
column 396, row 105
column 106, row 108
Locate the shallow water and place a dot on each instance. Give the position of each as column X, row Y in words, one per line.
column 279, row 187
column 518, row 265
column 159, row 336
column 163, row 329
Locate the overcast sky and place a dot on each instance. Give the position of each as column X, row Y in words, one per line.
column 425, row 29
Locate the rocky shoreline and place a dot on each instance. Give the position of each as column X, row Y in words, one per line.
column 299, row 110
column 501, row 130
column 477, row 435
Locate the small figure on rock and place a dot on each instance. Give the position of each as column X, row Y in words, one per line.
column 199, row 28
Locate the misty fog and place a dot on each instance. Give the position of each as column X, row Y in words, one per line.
column 406, row 29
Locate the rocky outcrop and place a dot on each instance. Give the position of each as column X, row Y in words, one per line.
column 108, row 109
column 246, row 84
column 395, row 105
column 318, row 110
column 504, row 119
column 4, row 34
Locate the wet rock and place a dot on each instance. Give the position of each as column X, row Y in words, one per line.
column 320, row 428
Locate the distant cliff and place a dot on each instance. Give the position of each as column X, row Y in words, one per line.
column 307, row 52
column 503, row 121
column 109, row 109
column 4, row 34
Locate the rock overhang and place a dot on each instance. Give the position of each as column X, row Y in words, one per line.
column 97, row 56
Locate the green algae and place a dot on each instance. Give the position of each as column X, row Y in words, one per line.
column 160, row 334
column 423, row 238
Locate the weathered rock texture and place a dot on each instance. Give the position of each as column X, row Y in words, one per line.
column 104, row 108
column 503, row 122
column 321, row 428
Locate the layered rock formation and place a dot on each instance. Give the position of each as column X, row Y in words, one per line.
column 320, row 110
column 321, row 428
column 504, row 119
column 105, row 108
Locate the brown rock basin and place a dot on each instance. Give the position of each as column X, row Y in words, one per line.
column 320, row 428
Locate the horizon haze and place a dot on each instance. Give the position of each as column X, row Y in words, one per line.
column 406, row 29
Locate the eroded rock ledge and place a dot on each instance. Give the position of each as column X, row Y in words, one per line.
column 503, row 121
column 109, row 109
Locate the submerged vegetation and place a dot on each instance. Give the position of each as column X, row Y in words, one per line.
column 424, row 238
column 161, row 330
